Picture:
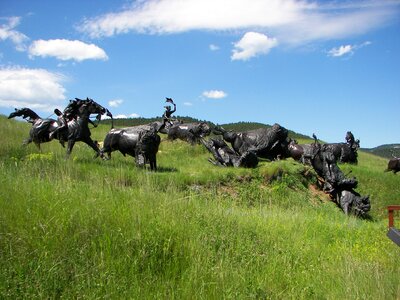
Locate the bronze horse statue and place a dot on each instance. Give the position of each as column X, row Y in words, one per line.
column 41, row 128
column 78, row 124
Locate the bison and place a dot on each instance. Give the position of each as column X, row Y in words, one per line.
column 141, row 142
column 189, row 132
column 269, row 143
column 393, row 165
column 226, row 157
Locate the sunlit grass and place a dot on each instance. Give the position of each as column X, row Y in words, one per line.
column 87, row 228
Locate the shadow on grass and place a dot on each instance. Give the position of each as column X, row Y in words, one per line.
column 166, row 170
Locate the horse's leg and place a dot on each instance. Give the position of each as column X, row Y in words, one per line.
column 94, row 146
column 27, row 141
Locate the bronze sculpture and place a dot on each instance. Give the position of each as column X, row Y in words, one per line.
column 270, row 143
column 141, row 142
column 226, row 157
column 336, row 184
column 78, row 120
column 41, row 128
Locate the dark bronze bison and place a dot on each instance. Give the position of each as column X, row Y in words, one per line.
column 300, row 152
column 345, row 152
column 224, row 156
column 393, row 165
column 269, row 143
column 336, row 184
column 189, row 132
column 141, row 142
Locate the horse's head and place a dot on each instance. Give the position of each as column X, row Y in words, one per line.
column 24, row 112
column 94, row 108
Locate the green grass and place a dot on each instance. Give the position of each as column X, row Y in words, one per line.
column 85, row 228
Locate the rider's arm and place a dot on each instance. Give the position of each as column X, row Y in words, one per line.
column 174, row 110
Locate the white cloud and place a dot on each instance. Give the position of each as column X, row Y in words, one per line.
column 346, row 49
column 340, row 51
column 34, row 88
column 7, row 32
column 215, row 94
column 66, row 50
column 115, row 103
column 213, row 47
column 187, row 103
column 290, row 21
column 122, row 116
column 252, row 44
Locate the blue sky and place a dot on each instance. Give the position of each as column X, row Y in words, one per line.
column 321, row 67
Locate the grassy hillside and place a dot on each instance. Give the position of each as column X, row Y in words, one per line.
column 386, row 151
column 84, row 228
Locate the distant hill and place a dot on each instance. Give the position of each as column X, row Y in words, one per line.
column 386, row 151
column 239, row 126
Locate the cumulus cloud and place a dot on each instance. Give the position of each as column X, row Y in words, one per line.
column 346, row 49
column 66, row 50
column 8, row 32
column 34, row 88
column 115, row 103
column 214, row 94
column 290, row 21
column 252, row 44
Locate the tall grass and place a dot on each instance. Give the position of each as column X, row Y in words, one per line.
column 84, row 228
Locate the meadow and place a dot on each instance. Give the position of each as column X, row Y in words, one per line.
column 87, row 228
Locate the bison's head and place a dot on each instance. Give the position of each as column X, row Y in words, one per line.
column 205, row 129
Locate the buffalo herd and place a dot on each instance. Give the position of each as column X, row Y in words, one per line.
column 228, row 148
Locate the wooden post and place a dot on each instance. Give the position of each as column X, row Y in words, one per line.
column 391, row 209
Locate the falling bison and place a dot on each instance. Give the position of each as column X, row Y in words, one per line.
column 269, row 143
column 224, row 156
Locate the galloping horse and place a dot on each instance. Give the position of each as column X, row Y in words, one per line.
column 41, row 128
column 78, row 129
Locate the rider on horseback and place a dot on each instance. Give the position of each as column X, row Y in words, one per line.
column 68, row 114
column 168, row 112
